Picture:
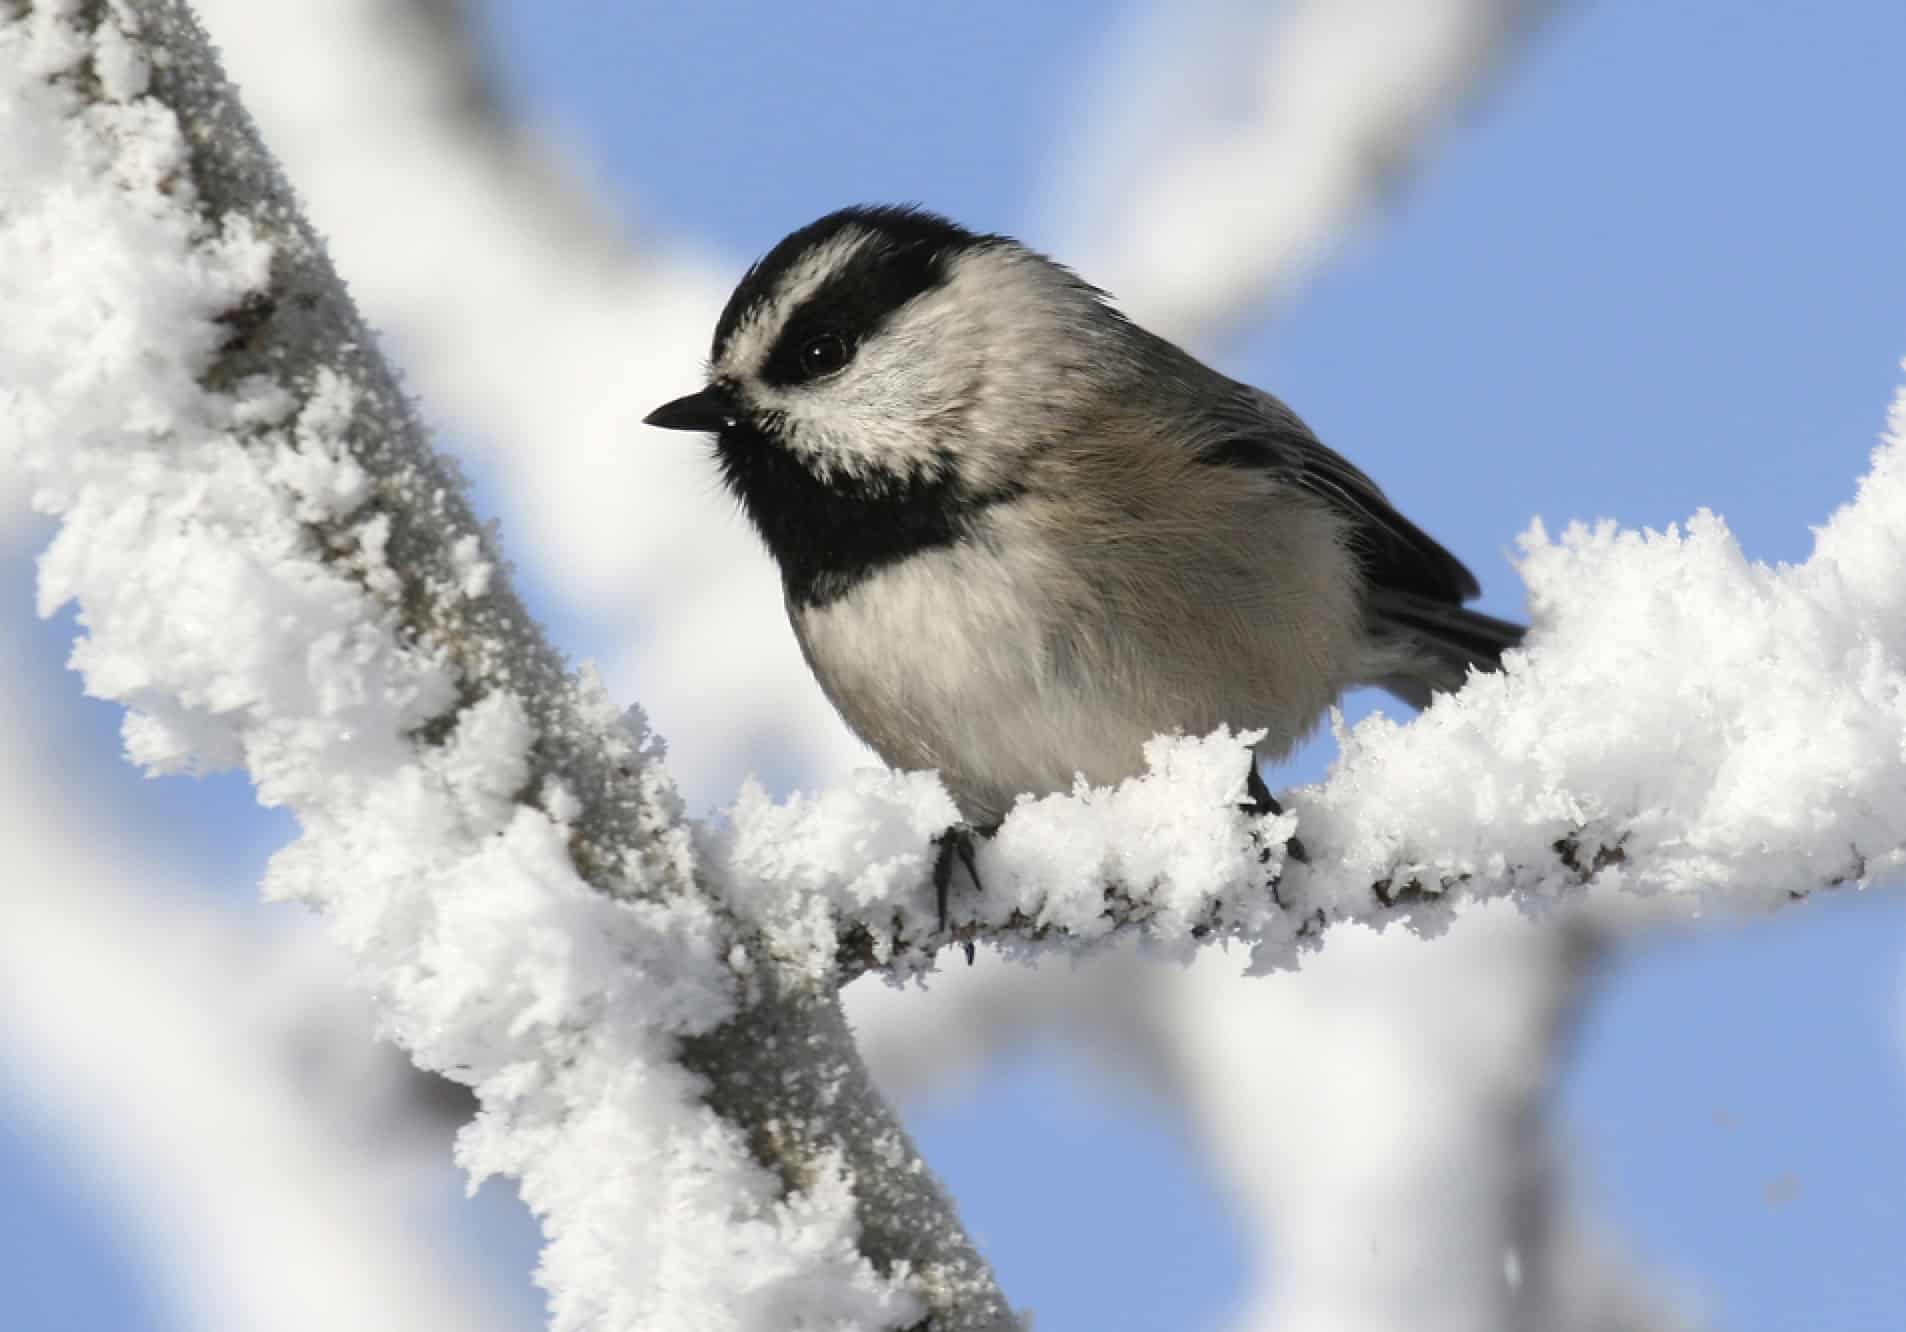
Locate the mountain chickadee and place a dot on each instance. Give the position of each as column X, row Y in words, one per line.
column 1019, row 535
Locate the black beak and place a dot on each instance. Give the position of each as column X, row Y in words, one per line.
column 711, row 409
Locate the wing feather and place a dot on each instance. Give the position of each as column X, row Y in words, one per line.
column 1396, row 554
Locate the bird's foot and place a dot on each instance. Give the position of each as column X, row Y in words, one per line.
column 1263, row 802
column 957, row 841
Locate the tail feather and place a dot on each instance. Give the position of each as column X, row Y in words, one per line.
column 1437, row 644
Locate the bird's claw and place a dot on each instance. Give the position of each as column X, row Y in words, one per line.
column 958, row 840
column 1263, row 802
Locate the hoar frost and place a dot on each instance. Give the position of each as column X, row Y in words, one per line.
column 238, row 591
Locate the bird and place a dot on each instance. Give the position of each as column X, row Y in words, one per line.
column 1019, row 534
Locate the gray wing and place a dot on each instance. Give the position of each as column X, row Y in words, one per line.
column 1396, row 554
column 1414, row 590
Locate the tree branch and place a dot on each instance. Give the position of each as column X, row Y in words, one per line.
column 275, row 569
column 1169, row 856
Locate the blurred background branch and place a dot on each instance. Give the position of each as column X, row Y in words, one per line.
column 1224, row 148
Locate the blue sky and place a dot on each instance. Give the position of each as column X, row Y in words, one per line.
column 1661, row 265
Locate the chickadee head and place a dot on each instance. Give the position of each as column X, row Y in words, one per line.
column 882, row 372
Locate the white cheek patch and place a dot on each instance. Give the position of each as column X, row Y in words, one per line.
column 858, row 427
column 894, row 409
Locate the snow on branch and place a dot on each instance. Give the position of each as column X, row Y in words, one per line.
column 273, row 570
column 1683, row 723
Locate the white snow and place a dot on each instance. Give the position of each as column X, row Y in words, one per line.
column 208, row 609
column 1736, row 729
column 1173, row 844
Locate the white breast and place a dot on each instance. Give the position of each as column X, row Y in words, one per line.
column 964, row 660
column 1045, row 647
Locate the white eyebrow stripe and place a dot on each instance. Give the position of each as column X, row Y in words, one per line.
column 754, row 335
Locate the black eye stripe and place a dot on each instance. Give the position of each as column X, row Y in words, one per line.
column 901, row 252
column 876, row 283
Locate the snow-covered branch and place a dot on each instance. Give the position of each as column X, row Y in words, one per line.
column 1682, row 724
column 274, row 570
column 207, row 1071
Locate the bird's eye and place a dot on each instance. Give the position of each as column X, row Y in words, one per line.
column 823, row 354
